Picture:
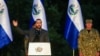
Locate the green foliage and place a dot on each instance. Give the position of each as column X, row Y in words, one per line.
column 54, row 15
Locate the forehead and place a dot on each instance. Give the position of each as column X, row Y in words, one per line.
column 88, row 23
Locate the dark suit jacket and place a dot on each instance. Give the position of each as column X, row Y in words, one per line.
column 34, row 35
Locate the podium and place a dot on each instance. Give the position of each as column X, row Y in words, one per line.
column 39, row 49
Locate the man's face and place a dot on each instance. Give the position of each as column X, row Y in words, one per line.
column 38, row 24
column 88, row 25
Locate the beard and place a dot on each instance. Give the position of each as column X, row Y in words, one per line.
column 38, row 27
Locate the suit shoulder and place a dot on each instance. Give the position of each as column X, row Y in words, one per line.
column 44, row 30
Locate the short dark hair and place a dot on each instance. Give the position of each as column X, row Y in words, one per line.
column 38, row 19
column 35, row 21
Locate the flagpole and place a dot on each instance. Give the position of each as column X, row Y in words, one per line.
column 73, row 52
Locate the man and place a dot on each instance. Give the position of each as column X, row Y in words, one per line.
column 35, row 34
column 88, row 41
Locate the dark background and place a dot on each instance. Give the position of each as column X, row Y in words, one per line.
column 56, row 14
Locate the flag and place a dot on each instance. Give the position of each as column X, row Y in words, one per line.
column 74, row 23
column 38, row 12
column 5, row 30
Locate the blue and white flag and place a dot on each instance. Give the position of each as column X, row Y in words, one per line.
column 74, row 23
column 5, row 30
column 38, row 12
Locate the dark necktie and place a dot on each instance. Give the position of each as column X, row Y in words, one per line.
column 37, row 36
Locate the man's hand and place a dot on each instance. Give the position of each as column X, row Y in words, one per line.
column 15, row 23
column 97, row 54
column 80, row 54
